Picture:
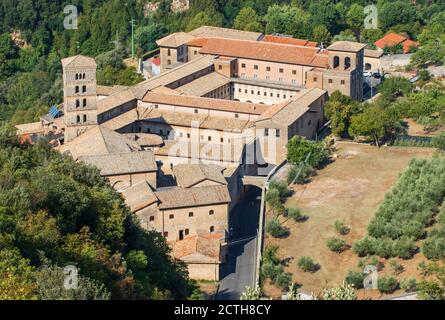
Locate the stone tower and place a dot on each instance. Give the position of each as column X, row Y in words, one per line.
column 79, row 90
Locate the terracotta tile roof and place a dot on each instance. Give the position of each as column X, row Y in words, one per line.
column 204, row 85
column 116, row 99
column 373, row 53
column 289, row 40
column 198, row 42
column 123, row 163
column 198, row 249
column 106, row 90
column 174, row 40
column 29, row 128
column 293, row 109
column 264, row 51
column 205, row 103
column 222, row 154
column 184, row 119
column 188, row 175
column 226, row 33
column 175, row 198
column 173, row 75
column 408, row 44
column 139, row 196
column 347, row 46
column 78, row 61
column 391, row 39
column 99, row 140
column 145, row 139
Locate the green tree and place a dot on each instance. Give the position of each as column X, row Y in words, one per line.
column 248, row 20
column 322, row 35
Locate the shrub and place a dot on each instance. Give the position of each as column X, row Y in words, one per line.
column 439, row 141
column 355, row 278
column 273, row 197
column 295, row 214
column 387, row 284
column 409, row 285
column 336, row 244
column 283, row 280
column 396, row 267
column 299, row 147
column 276, row 229
column 341, row 228
column 434, row 248
column 283, row 190
column 304, row 171
column 404, row 248
column 307, row 264
column 364, row 247
column 271, row 270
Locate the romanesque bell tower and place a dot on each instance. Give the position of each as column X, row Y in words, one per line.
column 79, row 90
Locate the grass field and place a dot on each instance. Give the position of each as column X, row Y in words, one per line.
column 349, row 189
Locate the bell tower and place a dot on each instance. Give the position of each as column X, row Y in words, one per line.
column 80, row 99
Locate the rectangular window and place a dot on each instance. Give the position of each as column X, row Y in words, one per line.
column 211, row 212
column 236, row 115
column 190, row 214
column 277, row 133
column 243, row 65
column 267, row 68
column 166, row 234
column 330, row 81
column 315, row 79
column 266, row 132
column 195, row 53
column 343, row 82
column 294, row 72
column 152, row 218
column 281, row 70
column 255, row 67
column 171, row 217
column 196, row 111
column 186, row 232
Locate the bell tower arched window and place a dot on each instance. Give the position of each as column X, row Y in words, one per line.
column 347, row 63
column 336, row 62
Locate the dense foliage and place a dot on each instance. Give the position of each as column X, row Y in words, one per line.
column 55, row 212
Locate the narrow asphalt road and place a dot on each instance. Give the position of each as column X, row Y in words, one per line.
column 238, row 271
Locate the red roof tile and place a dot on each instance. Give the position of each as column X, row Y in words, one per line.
column 265, row 51
column 289, row 40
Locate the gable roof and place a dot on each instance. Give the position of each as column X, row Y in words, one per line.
column 198, row 249
column 174, row 40
column 78, row 61
column 347, row 46
column 205, row 103
column 175, row 198
column 225, row 33
column 265, row 51
column 393, row 39
column 122, row 163
column 289, row 40
column 188, row 175
column 139, row 196
column 293, row 109
column 99, row 140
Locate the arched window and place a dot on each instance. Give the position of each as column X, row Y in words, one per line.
column 78, row 119
column 83, row 76
column 77, row 103
column 84, row 88
column 336, row 61
column 77, row 89
column 77, row 76
column 84, row 118
column 347, row 63
column 212, row 229
column 368, row 66
column 84, row 103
